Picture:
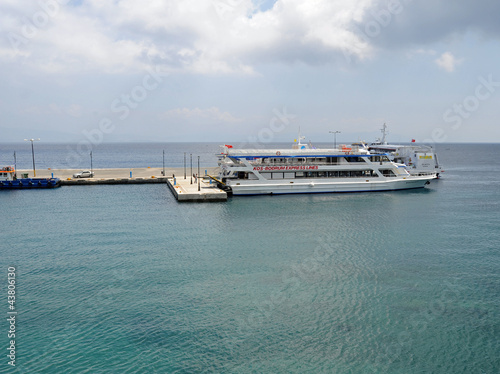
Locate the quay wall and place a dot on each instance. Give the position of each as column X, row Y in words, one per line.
column 116, row 175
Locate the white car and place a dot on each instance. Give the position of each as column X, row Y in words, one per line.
column 84, row 174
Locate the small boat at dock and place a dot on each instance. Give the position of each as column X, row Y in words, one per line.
column 9, row 181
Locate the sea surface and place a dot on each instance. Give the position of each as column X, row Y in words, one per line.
column 123, row 279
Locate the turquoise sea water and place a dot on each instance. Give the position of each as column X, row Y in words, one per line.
column 123, row 279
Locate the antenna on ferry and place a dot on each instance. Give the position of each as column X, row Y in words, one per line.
column 384, row 134
column 300, row 137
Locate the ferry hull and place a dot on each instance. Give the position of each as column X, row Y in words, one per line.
column 321, row 186
column 29, row 183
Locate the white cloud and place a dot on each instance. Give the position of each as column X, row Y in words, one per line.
column 181, row 35
column 448, row 62
column 423, row 51
column 212, row 114
column 73, row 110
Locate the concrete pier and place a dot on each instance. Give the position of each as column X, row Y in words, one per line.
column 184, row 191
column 111, row 176
column 182, row 188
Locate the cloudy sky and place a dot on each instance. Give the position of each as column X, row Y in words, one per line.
column 237, row 70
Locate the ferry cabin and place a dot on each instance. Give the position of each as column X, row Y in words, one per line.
column 7, row 173
column 419, row 160
column 291, row 167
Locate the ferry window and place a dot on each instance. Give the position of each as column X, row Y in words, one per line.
column 277, row 176
column 354, row 159
column 289, row 175
column 311, row 174
column 333, row 174
column 321, row 174
column 266, row 175
column 366, row 173
column 357, row 159
column 299, row 174
column 387, row 173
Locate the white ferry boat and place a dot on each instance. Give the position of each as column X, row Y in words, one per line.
column 419, row 159
column 304, row 169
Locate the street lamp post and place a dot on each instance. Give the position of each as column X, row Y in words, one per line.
column 33, row 153
column 334, row 138
column 91, row 166
column 191, row 157
column 163, row 163
column 198, row 176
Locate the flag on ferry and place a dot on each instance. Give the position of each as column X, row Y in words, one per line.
column 228, row 146
column 413, row 140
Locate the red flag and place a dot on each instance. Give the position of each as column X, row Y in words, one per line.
column 413, row 140
column 228, row 146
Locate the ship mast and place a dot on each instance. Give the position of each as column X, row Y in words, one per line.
column 300, row 138
column 384, row 134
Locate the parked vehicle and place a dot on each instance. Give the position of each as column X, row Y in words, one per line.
column 84, row 174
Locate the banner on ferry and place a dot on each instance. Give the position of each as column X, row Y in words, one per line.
column 278, row 168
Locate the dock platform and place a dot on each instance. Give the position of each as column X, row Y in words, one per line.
column 181, row 188
column 108, row 176
column 184, row 191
